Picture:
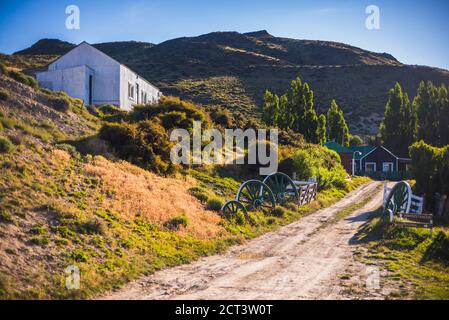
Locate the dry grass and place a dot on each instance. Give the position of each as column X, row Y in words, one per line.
column 137, row 193
column 60, row 156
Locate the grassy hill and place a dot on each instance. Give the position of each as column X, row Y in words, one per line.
column 231, row 70
column 67, row 198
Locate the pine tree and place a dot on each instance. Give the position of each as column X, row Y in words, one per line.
column 399, row 127
column 408, row 125
column 337, row 128
column 297, row 108
column 270, row 112
column 432, row 106
column 427, row 107
column 321, row 131
column 444, row 115
column 311, row 125
column 295, row 111
column 284, row 117
column 389, row 127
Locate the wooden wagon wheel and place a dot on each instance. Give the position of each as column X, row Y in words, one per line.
column 399, row 199
column 255, row 195
column 282, row 186
column 234, row 210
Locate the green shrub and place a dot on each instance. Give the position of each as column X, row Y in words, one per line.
column 61, row 104
column 79, row 256
column 355, row 140
column 93, row 226
column 5, row 145
column 430, row 167
column 23, row 78
column 7, row 122
column 214, row 204
column 174, row 107
column 174, row 119
column 109, row 109
column 222, row 117
column 3, row 69
column 200, row 193
column 176, row 222
column 145, row 144
column 5, row 217
column 38, row 230
column 64, row 231
column 4, row 95
column 278, row 212
column 41, row 241
column 291, row 206
column 108, row 112
column 238, row 218
column 322, row 163
column 438, row 249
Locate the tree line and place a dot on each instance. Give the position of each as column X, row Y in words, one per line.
column 425, row 118
column 294, row 110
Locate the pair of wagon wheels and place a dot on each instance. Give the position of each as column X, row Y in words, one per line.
column 399, row 199
column 259, row 195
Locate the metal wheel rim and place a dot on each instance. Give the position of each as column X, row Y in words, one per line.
column 279, row 184
column 255, row 194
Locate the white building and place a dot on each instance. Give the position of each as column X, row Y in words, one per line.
column 88, row 74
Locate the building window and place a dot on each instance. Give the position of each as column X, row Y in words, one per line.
column 144, row 97
column 387, row 166
column 130, row 91
column 370, row 166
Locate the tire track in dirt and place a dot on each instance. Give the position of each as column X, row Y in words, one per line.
column 303, row 260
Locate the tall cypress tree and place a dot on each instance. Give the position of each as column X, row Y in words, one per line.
column 389, row 127
column 310, row 130
column 270, row 112
column 284, row 117
column 295, row 111
column 297, row 108
column 444, row 115
column 337, row 129
column 427, row 107
column 399, row 127
column 408, row 125
column 321, row 131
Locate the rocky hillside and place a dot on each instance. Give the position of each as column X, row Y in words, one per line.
column 232, row 70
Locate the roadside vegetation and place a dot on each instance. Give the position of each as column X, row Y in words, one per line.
column 416, row 261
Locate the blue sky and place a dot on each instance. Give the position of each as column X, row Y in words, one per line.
column 414, row 32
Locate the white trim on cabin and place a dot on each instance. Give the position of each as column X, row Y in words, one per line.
column 375, row 148
column 389, row 152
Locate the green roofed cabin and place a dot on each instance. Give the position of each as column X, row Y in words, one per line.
column 369, row 159
column 344, row 152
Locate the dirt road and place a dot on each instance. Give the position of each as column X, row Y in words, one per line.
column 307, row 259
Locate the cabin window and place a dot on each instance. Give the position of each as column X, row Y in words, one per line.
column 387, row 166
column 130, row 91
column 370, row 166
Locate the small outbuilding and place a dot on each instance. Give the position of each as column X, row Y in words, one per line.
column 94, row 77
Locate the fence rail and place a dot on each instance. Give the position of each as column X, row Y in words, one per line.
column 307, row 191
